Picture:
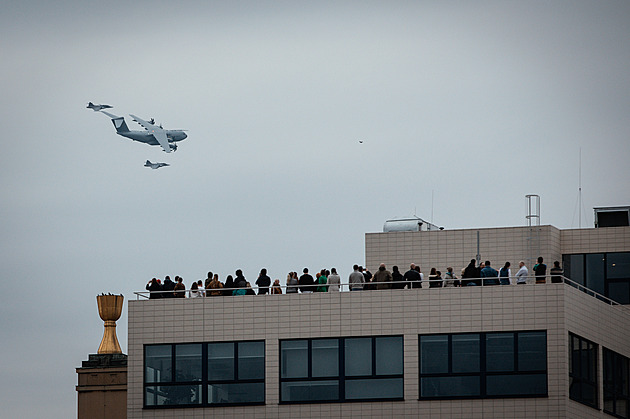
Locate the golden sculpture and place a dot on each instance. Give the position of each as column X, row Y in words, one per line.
column 110, row 309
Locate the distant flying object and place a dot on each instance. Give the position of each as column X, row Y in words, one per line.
column 97, row 107
column 153, row 135
column 155, row 165
column 360, row 141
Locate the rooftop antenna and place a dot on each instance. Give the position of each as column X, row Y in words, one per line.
column 432, row 191
column 580, row 191
column 579, row 202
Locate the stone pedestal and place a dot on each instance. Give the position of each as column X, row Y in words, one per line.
column 102, row 388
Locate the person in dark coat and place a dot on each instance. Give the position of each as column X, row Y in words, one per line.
column 540, row 270
column 263, row 282
column 168, row 286
column 229, row 283
column 413, row 277
column 397, row 279
column 240, row 281
column 471, row 274
column 154, row 289
column 556, row 273
column 306, row 282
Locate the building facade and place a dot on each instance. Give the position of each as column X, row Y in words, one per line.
column 598, row 258
column 544, row 350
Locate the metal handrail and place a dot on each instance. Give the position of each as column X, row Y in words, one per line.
column 406, row 285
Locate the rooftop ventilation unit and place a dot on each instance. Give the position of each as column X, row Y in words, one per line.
column 612, row 216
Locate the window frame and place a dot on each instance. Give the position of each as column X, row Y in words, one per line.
column 341, row 378
column 586, row 276
column 612, row 384
column 577, row 378
column 483, row 374
column 204, row 382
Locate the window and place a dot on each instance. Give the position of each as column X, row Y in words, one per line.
column 605, row 273
column 203, row 374
column 582, row 370
column 481, row 365
column 618, row 277
column 616, row 384
column 341, row 369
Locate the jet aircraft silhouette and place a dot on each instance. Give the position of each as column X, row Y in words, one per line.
column 155, row 165
column 97, row 107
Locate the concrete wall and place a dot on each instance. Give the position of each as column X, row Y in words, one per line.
column 102, row 393
column 555, row 308
column 456, row 248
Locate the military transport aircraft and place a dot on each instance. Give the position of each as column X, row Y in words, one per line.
column 97, row 107
column 154, row 135
column 155, row 165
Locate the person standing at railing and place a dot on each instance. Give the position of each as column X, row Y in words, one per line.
column 202, row 291
column 556, row 273
column 194, row 291
column 322, row 280
column 276, row 288
column 263, row 282
column 433, row 282
column 208, row 280
column 489, row 275
column 413, row 277
column 367, row 277
column 471, row 274
column 154, row 289
column 168, row 286
column 229, row 283
column 180, row 288
column 215, row 286
column 383, row 278
column 292, row 283
column 397, row 279
column 356, row 279
column 334, row 281
column 504, row 274
column 240, row 281
column 450, row 278
column 540, row 270
column 306, row 282
column 522, row 274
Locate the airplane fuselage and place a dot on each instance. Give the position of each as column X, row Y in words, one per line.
column 147, row 138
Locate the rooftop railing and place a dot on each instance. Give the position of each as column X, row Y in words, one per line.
column 374, row 286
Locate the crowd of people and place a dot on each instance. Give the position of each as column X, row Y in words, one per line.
column 359, row 280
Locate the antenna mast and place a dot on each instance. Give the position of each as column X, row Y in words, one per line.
column 580, row 191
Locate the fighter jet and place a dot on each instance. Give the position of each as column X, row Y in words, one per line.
column 153, row 135
column 97, row 107
column 155, row 165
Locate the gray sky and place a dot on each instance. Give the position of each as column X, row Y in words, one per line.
column 477, row 103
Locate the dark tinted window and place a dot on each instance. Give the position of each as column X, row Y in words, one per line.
column 616, row 384
column 188, row 362
column 514, row 364
column 595, row 272
column 340, row 369
column 158, row 363
column 582, row 370
column 228, row 373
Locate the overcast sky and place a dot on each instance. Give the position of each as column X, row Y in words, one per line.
column 463, row 109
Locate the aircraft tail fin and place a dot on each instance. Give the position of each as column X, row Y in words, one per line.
column 120, row 124
column 118, row 121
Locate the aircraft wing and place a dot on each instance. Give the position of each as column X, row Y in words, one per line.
column 157, row 132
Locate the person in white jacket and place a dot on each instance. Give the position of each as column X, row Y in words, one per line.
column 521, row 275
